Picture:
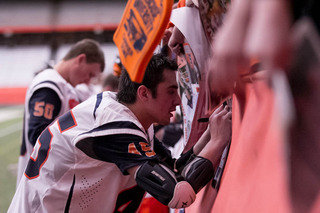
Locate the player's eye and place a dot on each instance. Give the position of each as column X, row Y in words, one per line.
column 172, row 91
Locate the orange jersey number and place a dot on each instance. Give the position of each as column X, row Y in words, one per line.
column 43, row 109
column 144, row 146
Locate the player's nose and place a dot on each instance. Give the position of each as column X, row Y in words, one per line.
column 177, row 100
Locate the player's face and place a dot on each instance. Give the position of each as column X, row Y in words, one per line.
column 85, row 72
column 167, row 98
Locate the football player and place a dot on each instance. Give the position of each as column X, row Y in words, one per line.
column 52, row 92
column 102, row 155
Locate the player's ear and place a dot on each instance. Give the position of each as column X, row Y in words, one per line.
column 143, row 93
column 82, row 58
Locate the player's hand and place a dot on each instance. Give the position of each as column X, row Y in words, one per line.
column 166, row 36
column 220, row 133
column 220, row 126
column 176, row 41
column 227, row 59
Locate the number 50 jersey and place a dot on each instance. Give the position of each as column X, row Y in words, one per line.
column 80, row 161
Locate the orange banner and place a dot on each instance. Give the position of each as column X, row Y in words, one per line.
column 139, row 32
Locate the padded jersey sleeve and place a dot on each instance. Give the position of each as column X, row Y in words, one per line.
column 124, row 150
column 44, row 107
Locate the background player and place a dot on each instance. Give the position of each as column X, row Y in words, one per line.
column 52, row 92
column 110, row 83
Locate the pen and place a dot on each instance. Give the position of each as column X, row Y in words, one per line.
column 203, row 120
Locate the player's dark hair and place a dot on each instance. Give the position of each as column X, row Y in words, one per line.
column 152, row 77
column 90, row 48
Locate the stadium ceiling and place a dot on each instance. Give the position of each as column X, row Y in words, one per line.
column 58, row 21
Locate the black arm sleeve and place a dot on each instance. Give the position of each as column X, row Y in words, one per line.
column 184, row 159
column 44, row 107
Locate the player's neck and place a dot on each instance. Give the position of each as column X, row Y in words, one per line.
column 141, row 115
column 62, row 69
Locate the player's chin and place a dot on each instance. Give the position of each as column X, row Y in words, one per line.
column 165, row 121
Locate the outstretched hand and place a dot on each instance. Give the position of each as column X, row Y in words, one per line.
column 166, row 36
column 268, row 33
column 220, row 126
column 251, row 30
column 176, row 41
column 227, row 49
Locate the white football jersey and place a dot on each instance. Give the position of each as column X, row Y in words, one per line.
column 48, row 78
column 80, row 161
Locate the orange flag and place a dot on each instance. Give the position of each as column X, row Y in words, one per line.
column 255, row 177
column 140, row 31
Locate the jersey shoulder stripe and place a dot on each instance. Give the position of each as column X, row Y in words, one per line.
column 48, row 82
column 98, row 102
column 66, row 121
column 116, row 127
column 52, row 79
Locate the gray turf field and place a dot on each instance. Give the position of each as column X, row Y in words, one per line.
column 10, row 137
